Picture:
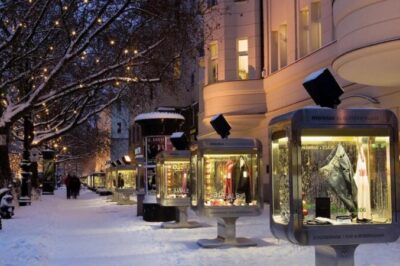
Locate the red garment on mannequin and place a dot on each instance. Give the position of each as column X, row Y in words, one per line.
column 228, row 180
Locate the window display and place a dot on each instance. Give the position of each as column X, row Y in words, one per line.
column 345, row 179
column 228, row 180
column 334, row 168
column 226, row 184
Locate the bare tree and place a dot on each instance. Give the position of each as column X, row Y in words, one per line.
column 63, row 61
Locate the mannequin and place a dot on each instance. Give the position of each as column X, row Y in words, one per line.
column 228, row 184
column 244, row 179
column 184, row 181
column 363, row 190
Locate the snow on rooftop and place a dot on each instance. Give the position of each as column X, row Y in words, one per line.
column 158, row 115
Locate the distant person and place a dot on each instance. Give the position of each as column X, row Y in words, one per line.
column 67, row 182
column 75, row 184
column 120, row 181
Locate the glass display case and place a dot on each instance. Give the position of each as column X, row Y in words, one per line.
column 334, row 176
column 226, row 182
column 172, row 178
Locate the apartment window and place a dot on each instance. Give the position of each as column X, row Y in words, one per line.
column 274, row 51
column 310, row 38
column 304, row 32
column 213, row 63
column 243, row 59
column 279, row 48
column 315, row 27
column 283, row 57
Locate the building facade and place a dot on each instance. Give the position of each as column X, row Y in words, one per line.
column 258, row 52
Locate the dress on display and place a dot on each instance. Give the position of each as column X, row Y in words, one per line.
column 228, row 180
column 244, row 181
column 362, row 182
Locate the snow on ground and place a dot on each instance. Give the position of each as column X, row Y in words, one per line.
column 93, row 231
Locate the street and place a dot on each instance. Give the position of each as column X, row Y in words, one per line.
column 93, row 231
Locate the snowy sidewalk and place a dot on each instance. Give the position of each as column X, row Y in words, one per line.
column 92, row 231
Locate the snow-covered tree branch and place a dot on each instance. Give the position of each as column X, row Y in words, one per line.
column 63, row 61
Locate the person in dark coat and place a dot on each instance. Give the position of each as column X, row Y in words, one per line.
column 67, row 182
column 75, row 184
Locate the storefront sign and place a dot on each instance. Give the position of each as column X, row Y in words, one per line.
column 154, row 145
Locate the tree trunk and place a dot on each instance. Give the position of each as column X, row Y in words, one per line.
column 5, row 170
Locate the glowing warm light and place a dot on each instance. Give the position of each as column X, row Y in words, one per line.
column 135, row 51
column 126, row 51
column 73, row 33
column 57, row 23
column 112, row 42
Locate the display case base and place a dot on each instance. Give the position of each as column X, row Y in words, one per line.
column 220, row 242
column 182, row 220
column 156, row 213
column 226, row 236
column 335, row 255
column 189, row 224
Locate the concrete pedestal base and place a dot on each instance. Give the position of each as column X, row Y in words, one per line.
column 226, row 236
column 335, row 255
column 183, row 221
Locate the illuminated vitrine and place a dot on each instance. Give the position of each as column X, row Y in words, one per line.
column 334, row 176
column 226, row 184
column 172, row 178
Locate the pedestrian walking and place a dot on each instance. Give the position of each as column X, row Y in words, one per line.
column 75, row 184
column 67, row 181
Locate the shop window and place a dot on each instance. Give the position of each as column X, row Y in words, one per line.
column 213, row 63
column 243, row 59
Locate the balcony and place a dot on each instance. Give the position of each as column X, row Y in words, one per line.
column 368, row 41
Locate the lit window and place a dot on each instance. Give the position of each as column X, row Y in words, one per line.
column 315, row 28
column 283, row 60
column 213, row 63
column 274, row 51
column 304, row 32
column 310, row 29
column 243, row 59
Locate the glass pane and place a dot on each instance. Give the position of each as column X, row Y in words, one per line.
column 243, row 68
column 193, row 179
column 283, row 47
column 280, row 180
column 303, row 32
column 346, row 179
column 230, row 180
column 315, row 31
column 242, row 45
column 177, row 178
column 213, row 51
column 274, row 51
